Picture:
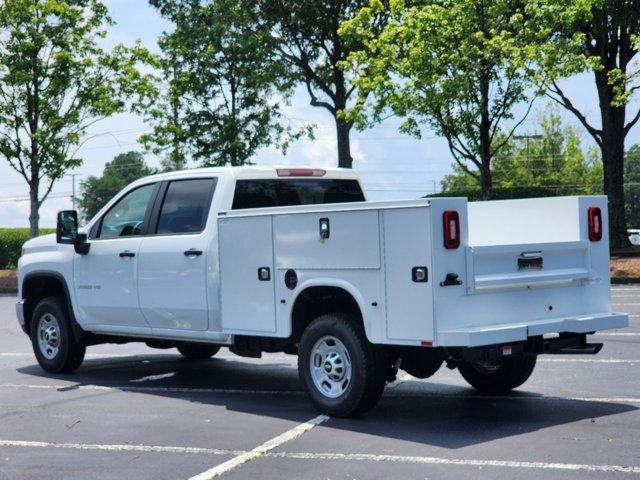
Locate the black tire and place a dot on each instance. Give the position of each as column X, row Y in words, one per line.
column 501, row 377
column 197, row 351
column 52, row 311
column 368, row 368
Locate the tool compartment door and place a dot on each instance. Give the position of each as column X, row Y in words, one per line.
column 409, row 303
column 245, row 246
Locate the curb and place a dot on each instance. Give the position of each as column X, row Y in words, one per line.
column 8, row 290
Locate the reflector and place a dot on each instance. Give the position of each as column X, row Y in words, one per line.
column 451, row 224
column 595, row 224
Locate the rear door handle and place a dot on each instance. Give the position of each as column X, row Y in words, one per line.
column 127, row 254
column 192, row 252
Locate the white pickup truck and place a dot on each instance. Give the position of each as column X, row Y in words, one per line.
column 295, row 260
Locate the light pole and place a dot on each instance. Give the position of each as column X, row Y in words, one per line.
column 73, row 189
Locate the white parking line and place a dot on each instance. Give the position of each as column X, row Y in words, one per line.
column 361, row 457
column 119, row 448
column 129, row 388
column 262, row 449
column 617, row 334
column 390, row 393
column 153, row 377
column 587, row 360
column 458, row 461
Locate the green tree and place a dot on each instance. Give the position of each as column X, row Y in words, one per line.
column 305, row 33
column 605, row 42
column 95, row 192
column 220, row 106
column 55, row 81
column 554, row 164
column 632, row 185
column 454, row 64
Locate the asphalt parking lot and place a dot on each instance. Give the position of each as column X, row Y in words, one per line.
column 135, row 412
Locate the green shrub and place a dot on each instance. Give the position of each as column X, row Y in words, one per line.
column 11, row 241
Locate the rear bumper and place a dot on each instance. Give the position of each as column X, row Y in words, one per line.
column 20, row 315
column 517, row 332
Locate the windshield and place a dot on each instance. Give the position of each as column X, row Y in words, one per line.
column 285, row 192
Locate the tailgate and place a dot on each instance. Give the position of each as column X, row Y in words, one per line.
column 497, row 267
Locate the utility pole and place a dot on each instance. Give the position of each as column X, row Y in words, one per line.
column 527, row 138
column 73, row 189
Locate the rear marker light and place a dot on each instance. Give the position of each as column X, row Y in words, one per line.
column 595, row 224
column 426, row 343
column 300, row 172
column 451, row 225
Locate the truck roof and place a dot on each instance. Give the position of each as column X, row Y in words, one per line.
column 258, row 172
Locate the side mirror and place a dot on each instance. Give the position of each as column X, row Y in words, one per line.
column 67, row 227
column 67, row 232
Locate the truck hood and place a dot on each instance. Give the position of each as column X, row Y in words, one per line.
column 42, row 243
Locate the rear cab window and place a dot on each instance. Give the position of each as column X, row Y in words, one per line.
column 262, row 193
column 185, row 206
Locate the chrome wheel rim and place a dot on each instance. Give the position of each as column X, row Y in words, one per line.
column 48, row 336
column 330, row 366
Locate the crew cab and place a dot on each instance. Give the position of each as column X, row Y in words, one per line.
column 295, row 260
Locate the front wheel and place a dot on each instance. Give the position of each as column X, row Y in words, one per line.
column 54, row 345
column 342, row 372
column 499, row 376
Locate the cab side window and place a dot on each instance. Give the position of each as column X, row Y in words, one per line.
column 126, row 217
column 186, row 206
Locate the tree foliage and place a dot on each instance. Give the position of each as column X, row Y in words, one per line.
column 95, row 192
column 632, row 185
column 456, row 65
column 603, row 41
column 55, row 81
column 225, row 85
column 305, row 34
column 554, row 164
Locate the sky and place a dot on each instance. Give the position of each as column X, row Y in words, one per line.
column 391, row 165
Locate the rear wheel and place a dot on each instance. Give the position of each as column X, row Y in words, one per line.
column 499, row 376
column 342, row 372
column 54, row 345
column 197, row 351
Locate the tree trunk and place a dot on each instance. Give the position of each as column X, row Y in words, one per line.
column 612, row 148
column 343, row 129
column 34, row 215
column 486, row 182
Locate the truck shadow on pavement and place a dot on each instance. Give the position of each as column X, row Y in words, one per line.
column 424, row 412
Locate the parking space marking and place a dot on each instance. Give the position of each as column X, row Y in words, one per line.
column 617, row 334
column 458, row 461
column 389, row 392
column 299, row 430
column 153, row 377
column 262, row 449
column 119, row 448
column 129, row 388
column 586, row 360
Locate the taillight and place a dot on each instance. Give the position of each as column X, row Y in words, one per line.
column 300, row 172
column 595, row 224
column 451, row 224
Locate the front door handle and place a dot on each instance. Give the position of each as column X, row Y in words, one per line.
column 127, row 254
column 192, row 252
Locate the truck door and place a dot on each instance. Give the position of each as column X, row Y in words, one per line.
column 106, row 279
column 174, row 257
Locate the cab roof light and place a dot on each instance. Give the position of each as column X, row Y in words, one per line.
column 595, row 224
column 451, row 227
column 300, row 172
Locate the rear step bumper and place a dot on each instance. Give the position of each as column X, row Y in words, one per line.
column 519, row 332
column 565, row 344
